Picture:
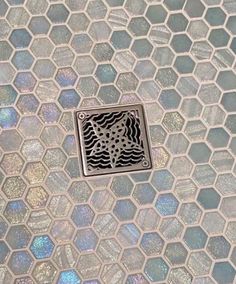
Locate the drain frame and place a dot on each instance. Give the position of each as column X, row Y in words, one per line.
column 134, row 109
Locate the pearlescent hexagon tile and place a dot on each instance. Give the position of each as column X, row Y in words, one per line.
column 173, row 224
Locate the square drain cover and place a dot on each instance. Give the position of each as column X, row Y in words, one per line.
column 113, row 140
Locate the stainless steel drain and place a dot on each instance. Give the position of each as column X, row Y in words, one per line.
column 113, row 140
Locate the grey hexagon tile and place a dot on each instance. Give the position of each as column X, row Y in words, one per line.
column 174, row 223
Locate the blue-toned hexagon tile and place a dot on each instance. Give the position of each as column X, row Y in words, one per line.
column 173, row 223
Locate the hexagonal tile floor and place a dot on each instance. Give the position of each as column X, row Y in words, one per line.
column 174, row 223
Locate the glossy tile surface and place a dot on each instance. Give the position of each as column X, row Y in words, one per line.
column 172, row 224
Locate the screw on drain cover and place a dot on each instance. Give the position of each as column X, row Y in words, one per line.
column 113, row 140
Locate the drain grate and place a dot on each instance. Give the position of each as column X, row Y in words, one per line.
column 113, row 140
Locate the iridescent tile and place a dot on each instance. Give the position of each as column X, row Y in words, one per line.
column 16, row 212
column 49, row 113
column 24, row 279
column 147, row 219
column 27, row 104
column 18, row 237
column 166, row 77
column 26, row 129
column 44, row 87
column 223, row 272
column 65, row 256
column 4, row 252
column 8, row 117
column 20, row 262
column 144, row 193
column 69, row 99
column 218, row 247
column 5, row 50
column 136, row 278
column 132, row 259
column 124, row 209
column 59, row 206
column 60, row 34
column 69, row 145
column 227, row 207
column 12, row 163
column 8, row 95
column 105, row 225
column 41, row 52
column 120, row 39
column 156, row 269
column 32, row 150
column 44, row 68
column 156, row 14
column 190, row 213
column 87, row 86
column 62, row 231
column 66, row 77
column 78, row 22
column 84, row 65
column 25, row 82
column 39, row 25
column 152, row 244
column 173, row 121
column 82, row 215
column 102, row 200
column 208, row 198
column 162, row 180
column 171, row 228
column 230, row 232
column 100, row 31
column 109, row 94
column 18, row 16
column 81, row 43
column 44, row 271
column 213, row 223
column 199, row 263
column 20, row 38
column 52, row 136
column 128, row 234
column 72, row 167
column 69, row 277
column 204, row 175
column 106, row 73
column 195, row 238
column 42, row 247
column 85, row 240
column 80, row 191
column 144, row 69
column 54, row 158
column 14, row 187
column 180, row 274
column 89, row 266
column 141, row 48
column 112, row 273
column 39, row 221
column 34, row 172
column 37, row 197
column 199, row 153
column 3, row 227
column 167, row 204
column 57, row 13
column 194, row 9
column 57, row 182
column 96, row 9
column 109, row 250
column 6, row 276
column 138, row 26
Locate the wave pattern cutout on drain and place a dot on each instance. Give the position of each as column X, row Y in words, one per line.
column 112, row 140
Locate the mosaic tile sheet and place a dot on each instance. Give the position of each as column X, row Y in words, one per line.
column 175, row 224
